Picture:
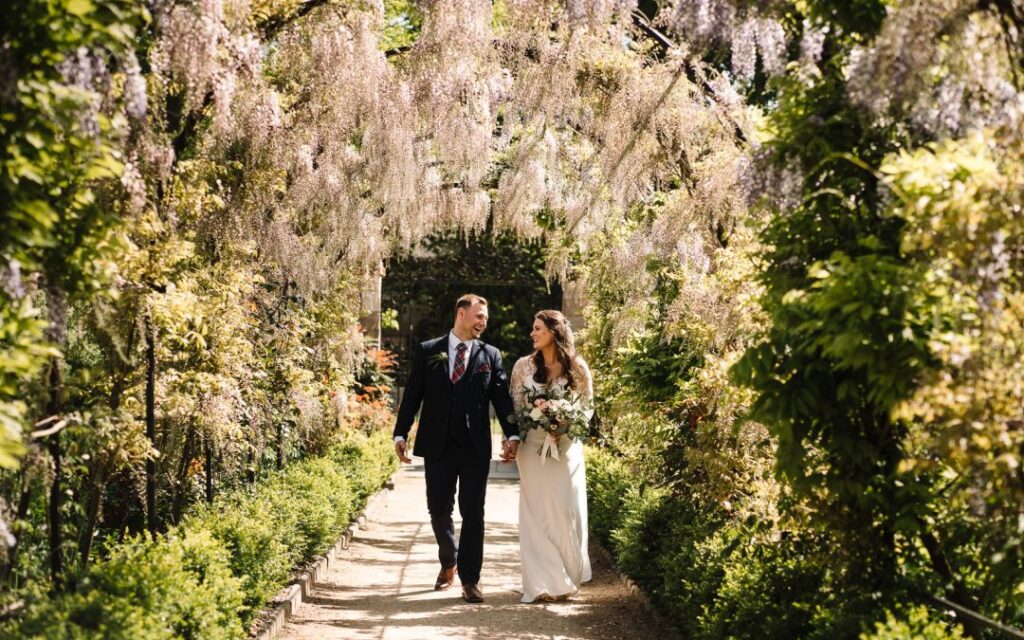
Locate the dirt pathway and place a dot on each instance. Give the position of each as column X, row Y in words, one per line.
column 382, row 588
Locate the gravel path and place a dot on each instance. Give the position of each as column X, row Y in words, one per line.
column 383, row 586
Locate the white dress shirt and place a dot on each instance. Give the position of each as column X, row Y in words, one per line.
column 453, row 350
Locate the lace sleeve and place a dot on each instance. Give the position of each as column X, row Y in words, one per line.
column 518, row 383
column 584, row 384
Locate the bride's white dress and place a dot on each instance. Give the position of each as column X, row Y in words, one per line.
column 552, row 500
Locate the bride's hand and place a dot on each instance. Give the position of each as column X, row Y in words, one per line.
column 509, row 450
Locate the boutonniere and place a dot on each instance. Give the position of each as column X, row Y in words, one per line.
column 438, row 359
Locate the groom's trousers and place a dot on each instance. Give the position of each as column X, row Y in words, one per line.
column 460, row 464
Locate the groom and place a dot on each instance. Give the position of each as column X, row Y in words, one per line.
column 454, row 377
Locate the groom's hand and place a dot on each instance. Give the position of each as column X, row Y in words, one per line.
column 509, row 450
column 400, row 450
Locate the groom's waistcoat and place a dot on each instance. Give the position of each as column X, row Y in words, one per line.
column 458, row 413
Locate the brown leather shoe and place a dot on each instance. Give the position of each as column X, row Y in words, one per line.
column 445, row 579
column 472, row 593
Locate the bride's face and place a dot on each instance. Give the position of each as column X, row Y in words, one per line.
column 542, row 337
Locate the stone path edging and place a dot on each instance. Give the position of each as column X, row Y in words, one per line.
column 635, row 590
column 284, row 604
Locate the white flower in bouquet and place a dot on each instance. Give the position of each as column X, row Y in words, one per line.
column 559, row 412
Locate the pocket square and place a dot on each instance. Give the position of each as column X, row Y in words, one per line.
column 484, row 368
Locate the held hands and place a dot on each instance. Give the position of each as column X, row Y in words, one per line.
column 400, row 450
column 509, row 449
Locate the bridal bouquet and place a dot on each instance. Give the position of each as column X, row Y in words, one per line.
column 560, row 412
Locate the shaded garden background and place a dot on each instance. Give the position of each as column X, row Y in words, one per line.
column 422, row 287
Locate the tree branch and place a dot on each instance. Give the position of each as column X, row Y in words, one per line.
column 941, row 565
column 58, row 426
column 641, row 21
column 275, row 24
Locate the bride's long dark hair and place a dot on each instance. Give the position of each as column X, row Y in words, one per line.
column 565, row 351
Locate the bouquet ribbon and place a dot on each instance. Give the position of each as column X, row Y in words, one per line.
column 550, row 446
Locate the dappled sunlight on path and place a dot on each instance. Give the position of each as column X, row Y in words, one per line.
column 382, row 587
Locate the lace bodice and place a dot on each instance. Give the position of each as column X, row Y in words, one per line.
column 522, row 379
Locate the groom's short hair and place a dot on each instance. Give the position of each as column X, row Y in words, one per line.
column 468, row 301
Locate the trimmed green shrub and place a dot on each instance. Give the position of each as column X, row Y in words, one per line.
column 178, row 586
column 715, row 576
column 608, row 480
column 638, row 542
column 296, row 514
column 207, row 578
column 768, row 590
column 255, row 537
column 692, row 564
column 914, row 623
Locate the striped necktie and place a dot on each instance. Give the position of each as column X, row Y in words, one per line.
column 460, row 362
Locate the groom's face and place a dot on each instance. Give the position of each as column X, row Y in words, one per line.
column 472, row 320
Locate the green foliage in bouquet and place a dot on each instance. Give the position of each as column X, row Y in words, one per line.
column 558, row 411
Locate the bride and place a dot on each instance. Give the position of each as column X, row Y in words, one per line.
column 553, row 492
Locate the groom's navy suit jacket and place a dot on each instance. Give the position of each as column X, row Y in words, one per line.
column 445, row 408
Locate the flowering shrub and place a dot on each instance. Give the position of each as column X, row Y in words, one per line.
column 375, row 379
column 831, row 377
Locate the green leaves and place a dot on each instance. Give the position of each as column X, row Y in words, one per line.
column 58, row 145
column 23, row 352
column 80, row 8
column 655, row 369
column 914, row 622
column 883, row 371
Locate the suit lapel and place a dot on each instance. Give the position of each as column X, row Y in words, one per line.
column 438, row 356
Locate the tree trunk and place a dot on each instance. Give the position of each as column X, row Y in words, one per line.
column 151, row 518
column 250, row 474
column 940, row 564
column 181, row 482
column 94, row 501
column 57, row 307
column 280, row 445
column 56, row 525
column 208, row 454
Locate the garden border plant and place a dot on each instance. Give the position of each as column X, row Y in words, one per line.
column 210, row 576
column 713, row 577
